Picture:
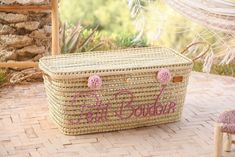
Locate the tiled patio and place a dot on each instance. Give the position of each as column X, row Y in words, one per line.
column 26, row 131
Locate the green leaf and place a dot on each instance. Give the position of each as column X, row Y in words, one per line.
column 86, row 41
column 96, row 47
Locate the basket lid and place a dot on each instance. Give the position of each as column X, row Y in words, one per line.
column 110, row 62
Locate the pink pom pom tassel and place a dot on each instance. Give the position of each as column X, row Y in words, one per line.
column 164, row 76
column 94, row 82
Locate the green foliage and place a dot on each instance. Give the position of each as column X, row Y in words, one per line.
column 112, row 15
column 77, row 39
column 114, row 19
column 228, row 70
column 126, row 40
column 3, row 78
column 97, row 42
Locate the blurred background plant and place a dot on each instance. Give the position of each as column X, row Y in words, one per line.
column 112, row 16
column 115, row 22
column 126, row 40
column 94, row 25
column 3, row 76
column 117, row 30
column 76, row 39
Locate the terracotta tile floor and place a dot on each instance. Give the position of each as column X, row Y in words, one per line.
column 26, row 131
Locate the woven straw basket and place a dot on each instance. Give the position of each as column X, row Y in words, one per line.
column 125, row 89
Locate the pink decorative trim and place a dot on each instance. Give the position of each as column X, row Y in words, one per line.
column 228, row 128
column 227, row 117
column 94, row 82
column 99, row 111
column 228, row 120
column 164, row 76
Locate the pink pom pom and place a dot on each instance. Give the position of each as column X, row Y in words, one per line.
column 164, row 76
column 94, row 82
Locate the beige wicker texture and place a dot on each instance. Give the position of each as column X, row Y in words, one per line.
column 129, row 81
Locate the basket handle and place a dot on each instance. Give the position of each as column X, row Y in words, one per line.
column 48, row 77
column 197, row 43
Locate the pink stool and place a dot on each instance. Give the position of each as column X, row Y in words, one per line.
column 224, row 125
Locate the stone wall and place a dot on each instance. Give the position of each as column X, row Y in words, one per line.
column 24, row 2
column 24, row 36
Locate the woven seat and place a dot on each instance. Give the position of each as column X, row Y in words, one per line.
column 225, row 124
column 228, row 128
column 228, row 121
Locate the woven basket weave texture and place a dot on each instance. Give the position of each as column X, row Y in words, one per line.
column 130, row 95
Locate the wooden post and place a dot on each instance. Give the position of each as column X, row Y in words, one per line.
column 19, row 64
column 218, row 138
column 55, row 28
column 20, row 8
column 228, row 143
